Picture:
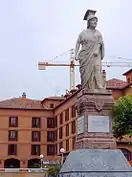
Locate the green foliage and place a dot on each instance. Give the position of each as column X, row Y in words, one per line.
column 54, row 170
column 122, row 110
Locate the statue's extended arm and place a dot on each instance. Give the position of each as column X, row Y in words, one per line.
column 77, row 48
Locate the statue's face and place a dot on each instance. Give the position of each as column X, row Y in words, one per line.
column 93, row 23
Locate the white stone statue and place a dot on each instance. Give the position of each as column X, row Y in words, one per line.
column 90, row 54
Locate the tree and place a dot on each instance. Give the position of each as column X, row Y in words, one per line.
column 122, row 111
column 54, row 170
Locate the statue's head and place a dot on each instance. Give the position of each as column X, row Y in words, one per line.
column 92, row 21
column 91, row 18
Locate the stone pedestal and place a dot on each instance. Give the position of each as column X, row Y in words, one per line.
column 96, row 154
column 96, row 163
column 95, row 119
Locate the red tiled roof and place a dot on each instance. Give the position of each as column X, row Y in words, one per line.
column 53, row 98
column 116, row 83
column 56, row 98
column 26, row 103
column 127, row 72
column 21, row 103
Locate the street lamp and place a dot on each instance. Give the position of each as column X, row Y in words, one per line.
column 41, row 161
column 62, row 151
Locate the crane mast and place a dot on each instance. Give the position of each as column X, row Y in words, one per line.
column 72, row 70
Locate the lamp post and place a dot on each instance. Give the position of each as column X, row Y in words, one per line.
column 41, row 161
column 62, row 151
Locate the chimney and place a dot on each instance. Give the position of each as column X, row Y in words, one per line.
column 24, row 95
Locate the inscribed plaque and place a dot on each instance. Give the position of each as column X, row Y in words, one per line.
column 98, row 124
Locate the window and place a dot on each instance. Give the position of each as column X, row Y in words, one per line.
column 51, row 149
column 51, row 105
column 12, row 149
column 128, row 80
column 36, row 136
column 73, row 143
column 51, row 135
column 35, row 149
column 67, row 130
column 13, row 121
column 52, row 122
column 36, row 122
column 12, row 135
column 73, row 111
column 61, row 118
column 73, row 126
column 55, row 146
column 67, row 145
column 67, row 115
column 55, row 122
column 60, row 145
column 60, row 132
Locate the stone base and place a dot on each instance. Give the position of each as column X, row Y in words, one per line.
column 96, row 141
column 97, row 102
column 96, row 163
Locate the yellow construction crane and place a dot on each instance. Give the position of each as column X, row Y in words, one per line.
column 71, row 64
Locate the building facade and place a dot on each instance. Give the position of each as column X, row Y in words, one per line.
column 29, row 128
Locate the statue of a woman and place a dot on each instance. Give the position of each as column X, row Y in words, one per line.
column 90, row 55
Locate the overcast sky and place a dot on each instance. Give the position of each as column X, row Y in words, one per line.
column 39, row 30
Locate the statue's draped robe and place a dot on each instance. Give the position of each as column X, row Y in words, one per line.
column 90, row 56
